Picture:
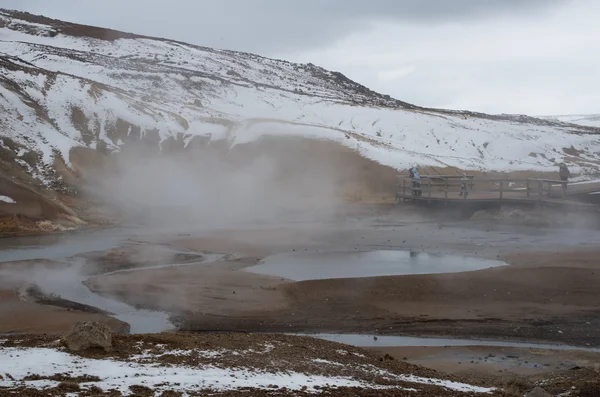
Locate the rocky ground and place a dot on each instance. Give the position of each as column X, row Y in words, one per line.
column 236, row 364
column 232, row 364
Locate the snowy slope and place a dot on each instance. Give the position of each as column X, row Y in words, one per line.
column 64, row 85
column 590, row 120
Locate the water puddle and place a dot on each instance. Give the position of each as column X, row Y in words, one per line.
column 316, row 266
column 405, row 341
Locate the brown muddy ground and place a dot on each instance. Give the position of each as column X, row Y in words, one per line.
column 545, row 296
column 26, row 317
column 501, row 361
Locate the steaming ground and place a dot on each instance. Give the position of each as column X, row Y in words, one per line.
column 542, row 295
column 548, row 293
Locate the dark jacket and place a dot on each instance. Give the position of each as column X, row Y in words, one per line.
column 564, row 173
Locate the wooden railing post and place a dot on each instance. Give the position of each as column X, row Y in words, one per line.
column 501, row 188
column 446, row 189
column 527, row 188
column 429, row 187
column 404, row 187
column 540, row 189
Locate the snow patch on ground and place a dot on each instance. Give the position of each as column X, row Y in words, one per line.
column 456, row 386
column 19, row 363
column 120, row 374
column 7, row 199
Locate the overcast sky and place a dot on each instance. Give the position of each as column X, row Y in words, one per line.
column 500, row 56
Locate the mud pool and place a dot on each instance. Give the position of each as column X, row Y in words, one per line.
column 327, row 265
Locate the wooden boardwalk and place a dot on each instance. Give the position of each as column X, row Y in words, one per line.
column 451, row 189
column 578, row 189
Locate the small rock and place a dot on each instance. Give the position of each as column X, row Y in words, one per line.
column 538, row 392
column 88, row 334
column 142, row 391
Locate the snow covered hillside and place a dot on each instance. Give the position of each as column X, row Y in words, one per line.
column 590, row 120
column 64, row 85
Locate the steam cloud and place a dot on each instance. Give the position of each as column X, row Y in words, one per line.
column 213, row 188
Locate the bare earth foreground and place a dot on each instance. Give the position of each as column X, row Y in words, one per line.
column 546, row 292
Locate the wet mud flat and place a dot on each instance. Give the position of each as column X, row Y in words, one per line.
column 33, row 293
column 492, row 359
column 476, row 282
column 375, row 275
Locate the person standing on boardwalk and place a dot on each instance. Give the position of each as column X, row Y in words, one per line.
column 564, row 174
column 416, row 181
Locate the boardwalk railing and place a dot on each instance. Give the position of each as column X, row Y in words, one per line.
column 454, row 188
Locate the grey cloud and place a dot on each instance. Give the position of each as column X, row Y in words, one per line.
column 268, row 27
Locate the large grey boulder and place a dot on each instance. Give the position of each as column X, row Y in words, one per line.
column 88, row 334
